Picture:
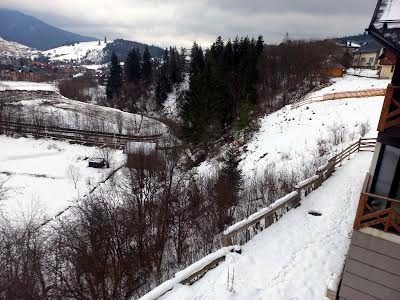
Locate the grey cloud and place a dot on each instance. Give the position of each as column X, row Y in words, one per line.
column 181, row 22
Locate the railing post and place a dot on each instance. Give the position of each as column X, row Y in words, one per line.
column 359, row 144
column 360, row 211
column 269, row 220
column 227, row 240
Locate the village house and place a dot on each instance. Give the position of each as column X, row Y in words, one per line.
column 367, row 56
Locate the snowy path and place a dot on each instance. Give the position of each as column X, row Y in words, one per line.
column 295, row 257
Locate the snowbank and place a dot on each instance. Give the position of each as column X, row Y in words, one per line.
column 27, row 86
column 189, row 271
column 363, row 72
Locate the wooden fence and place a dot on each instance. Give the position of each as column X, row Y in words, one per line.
column 340, row 95
column 259, row 221
column 244, row 230
column 376, row 210
column 74, row 136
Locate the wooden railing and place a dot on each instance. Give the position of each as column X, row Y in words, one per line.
column 258, row 221
column 370, row 214
column 244, row 230
column 390, row 115
column 83, row 137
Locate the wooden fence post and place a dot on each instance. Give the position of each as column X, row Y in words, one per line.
column 226, row 240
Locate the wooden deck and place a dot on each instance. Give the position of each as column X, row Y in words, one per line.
column 372, row 269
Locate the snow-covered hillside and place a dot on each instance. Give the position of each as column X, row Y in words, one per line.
column 296, row 257
column 43, row 98
column 15, row 50
column 88, row 52
column 291, row 139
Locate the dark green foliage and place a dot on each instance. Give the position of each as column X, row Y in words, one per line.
column 123, row 47
column 229, row 72
column 114, row 82
column 133, row 66
column 227, row 189
column 146, row 65
column 171, row 72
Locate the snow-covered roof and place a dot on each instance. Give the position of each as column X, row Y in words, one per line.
column 385, row 24
column 133, row 147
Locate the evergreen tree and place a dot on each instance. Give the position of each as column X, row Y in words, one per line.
column 260, row 44
column 227, row 189
column 132, row 66
column 146, row 65
column 163, row 84
column 105, row 40
column 196, row 61
column 114, row 82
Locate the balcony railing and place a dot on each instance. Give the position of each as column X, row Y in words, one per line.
column 390, row 115
column 370, row 212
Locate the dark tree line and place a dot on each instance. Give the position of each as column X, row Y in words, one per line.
column 222, row 87
column 288, row 71
column 128, row 87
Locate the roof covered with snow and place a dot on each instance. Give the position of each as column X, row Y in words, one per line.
column 385, row 24
column 146, row 148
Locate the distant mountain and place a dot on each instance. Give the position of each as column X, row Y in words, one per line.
column 18, row 27
column 122, row 47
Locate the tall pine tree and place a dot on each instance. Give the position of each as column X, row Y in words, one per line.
column 132, row 66
column 146, row 65
column 114, row 82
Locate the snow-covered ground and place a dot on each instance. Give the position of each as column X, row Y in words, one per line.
column 352, row 83
column 296, row 257
column 363, row 72
column 288, row 139
column 74, row 112
column 87, row 51
column 171, row 108
column 28, row 86
column 37, row 174
column 13, row 49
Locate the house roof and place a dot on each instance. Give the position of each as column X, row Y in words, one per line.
column 370, row 47
column 385, row 24
column 133, row 147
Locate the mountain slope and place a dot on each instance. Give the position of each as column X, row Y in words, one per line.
column 27, row 30
column 13, row 49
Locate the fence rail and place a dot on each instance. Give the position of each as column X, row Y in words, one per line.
column 259, row 220
column 84, row 137
column 376, row 210
column 340, row 95
column 265, row 217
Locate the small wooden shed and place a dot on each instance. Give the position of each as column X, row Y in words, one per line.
column 142, row 155
column 334, row 69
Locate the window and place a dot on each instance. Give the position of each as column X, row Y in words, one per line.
column 392, row 69
column 386, row 180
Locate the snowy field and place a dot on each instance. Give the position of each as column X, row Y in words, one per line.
column 88, row 51
column 27, row 86
column 37, row 174
column 283, row 262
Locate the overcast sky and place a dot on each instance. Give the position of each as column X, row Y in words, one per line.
column 173, row 22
